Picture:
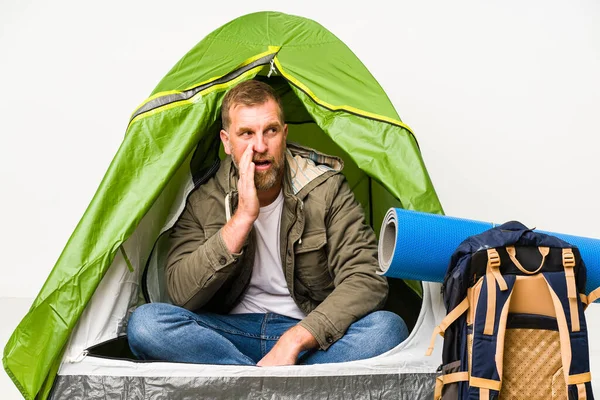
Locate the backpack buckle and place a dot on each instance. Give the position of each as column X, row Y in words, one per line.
column 568, row 258
column 493, row 259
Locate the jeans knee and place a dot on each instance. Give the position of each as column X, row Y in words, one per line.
column 392, row 324
column 144, row 324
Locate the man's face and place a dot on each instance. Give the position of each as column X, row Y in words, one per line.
column 260, row 127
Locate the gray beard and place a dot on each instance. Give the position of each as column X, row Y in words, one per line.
column 264, row 180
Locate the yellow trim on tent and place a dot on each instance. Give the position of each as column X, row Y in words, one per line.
column 198, row 95
column 338, row 108
column 272, row 50
column 155, row 96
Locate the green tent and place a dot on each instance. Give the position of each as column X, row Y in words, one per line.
column 112, row 261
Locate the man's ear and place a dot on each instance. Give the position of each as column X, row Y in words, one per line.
column 225, row 139
column 285, row 131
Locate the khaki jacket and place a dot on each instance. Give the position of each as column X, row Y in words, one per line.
column 328, row 252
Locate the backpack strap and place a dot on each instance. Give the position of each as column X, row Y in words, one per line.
column 563, row 331
column 569, row 344
column 569, row 266
column 590, row 298
column 488, row 349
column 593, row 296
column 493, row 276
column 446, row 322
column 484, row 394
column 581, row 391
column 447, row 379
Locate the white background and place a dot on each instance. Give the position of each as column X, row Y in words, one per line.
column 503, row 96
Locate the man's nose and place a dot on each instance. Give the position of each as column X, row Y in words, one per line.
column 260, row 145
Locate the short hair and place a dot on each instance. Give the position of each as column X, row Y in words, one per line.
column 248, row 93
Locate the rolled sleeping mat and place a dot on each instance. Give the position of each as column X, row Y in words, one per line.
column 418, row 246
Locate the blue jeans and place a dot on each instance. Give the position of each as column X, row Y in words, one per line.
column 158, row 331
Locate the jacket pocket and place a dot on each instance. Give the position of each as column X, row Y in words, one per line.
column 311, row 264
column 311, row 241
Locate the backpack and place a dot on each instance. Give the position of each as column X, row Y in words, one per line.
column 515, row 327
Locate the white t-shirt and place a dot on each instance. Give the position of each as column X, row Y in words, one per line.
column 268, row 291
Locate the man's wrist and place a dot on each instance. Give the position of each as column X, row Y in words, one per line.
column 242, row 220
column 235, row 232
column 300, row 339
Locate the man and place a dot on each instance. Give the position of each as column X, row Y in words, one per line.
column 271, row 262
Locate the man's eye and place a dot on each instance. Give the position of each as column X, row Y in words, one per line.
column 246, row 133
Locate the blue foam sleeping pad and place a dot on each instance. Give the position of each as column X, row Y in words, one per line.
column 418, row 246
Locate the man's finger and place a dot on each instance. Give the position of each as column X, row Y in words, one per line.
column 250, row 170
column 246, row 158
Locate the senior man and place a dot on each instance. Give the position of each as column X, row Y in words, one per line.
column 271, row 262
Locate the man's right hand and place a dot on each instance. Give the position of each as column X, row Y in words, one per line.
column 248, row 206
column 236, row 230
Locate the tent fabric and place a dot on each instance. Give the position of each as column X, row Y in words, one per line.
column 171, row 142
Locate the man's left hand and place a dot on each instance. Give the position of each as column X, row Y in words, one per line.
column 288, row 347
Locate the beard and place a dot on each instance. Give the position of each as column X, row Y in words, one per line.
column 265, row 180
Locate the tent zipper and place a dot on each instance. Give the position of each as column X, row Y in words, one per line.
column 189, row 93
column 78, row 358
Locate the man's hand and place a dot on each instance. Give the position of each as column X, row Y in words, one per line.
column 288, row 347
column 236, row 230
column 248, row 205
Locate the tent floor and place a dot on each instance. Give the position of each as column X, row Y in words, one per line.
column 412, row 386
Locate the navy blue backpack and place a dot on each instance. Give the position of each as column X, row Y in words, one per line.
column 515, row 327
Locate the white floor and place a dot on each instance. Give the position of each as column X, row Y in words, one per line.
column 13, row 309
